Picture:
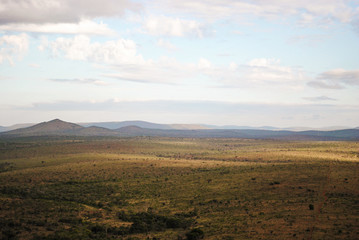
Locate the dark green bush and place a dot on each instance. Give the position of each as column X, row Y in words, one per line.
column 195, row 234
column 147, row 221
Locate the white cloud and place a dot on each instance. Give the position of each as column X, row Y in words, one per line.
column 313, row 39
column 349, row 77
column 128, row 65
column 3, row 78
column 165, row 71
column 83, row 27
column 258, row 72
column 34, row 65
column 233, row 66
column 324, row 85
column 61, row 11
column 82, row 81
column 319, row 99
column 270, row 70
column 80, row 47
column 255, row 74
column 122, row 58
column 336, row 79
column 204, row 64
column 306, row 11
column 355, row 23
column 166, row 44
column 263, row 62
column 168, row 26
column 13, row 47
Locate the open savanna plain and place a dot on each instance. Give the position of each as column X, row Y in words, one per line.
column 178, row 188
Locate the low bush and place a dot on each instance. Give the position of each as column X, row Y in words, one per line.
column 144, row 222
column 195, row 234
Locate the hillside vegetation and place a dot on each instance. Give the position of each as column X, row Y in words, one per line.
column 177, row 188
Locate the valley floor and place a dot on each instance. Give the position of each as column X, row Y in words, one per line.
column 178, row 188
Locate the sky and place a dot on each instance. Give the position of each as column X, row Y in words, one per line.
column 223, row 62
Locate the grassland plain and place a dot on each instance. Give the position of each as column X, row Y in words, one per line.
column 178, row 188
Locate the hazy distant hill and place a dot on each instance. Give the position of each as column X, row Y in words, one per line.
column 116, row 125
column 16, row 126
column 54, row 127
column 187, row 126
column 349, row 134
column 60, row 128
column 94, row 131
column 240, row 127
column 345, row 134
column 142, row 124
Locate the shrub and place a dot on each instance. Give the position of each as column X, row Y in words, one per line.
column 195, row 234
column 144, row 222
column 98, row 228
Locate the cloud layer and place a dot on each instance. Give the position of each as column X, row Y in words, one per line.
column 306, row 11
column 168, row 26
column 256, row 73
column 60, row 11
column 319, row 99
column 83, row 27
column 81, row 81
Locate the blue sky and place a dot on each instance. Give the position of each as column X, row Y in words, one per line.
column 229, row 62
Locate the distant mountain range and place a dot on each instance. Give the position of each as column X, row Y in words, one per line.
column 149, row 125
column 139, row 128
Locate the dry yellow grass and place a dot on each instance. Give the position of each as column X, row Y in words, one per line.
column 229, row 188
